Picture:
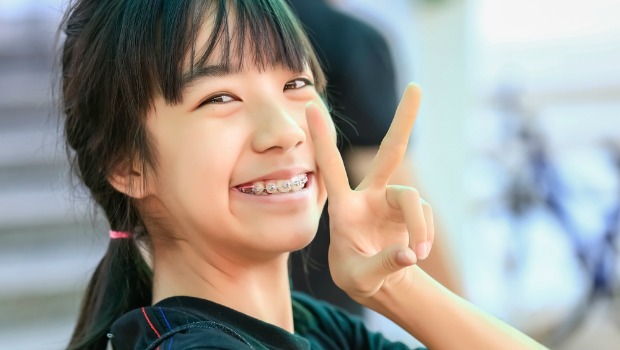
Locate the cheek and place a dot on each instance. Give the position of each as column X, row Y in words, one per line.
column 196, row 167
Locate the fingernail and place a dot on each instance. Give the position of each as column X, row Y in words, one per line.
column 421, row 250
column 405, row 257
column 429, row 245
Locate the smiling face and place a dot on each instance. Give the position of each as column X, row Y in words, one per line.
column 230, row 132
column 235, row 166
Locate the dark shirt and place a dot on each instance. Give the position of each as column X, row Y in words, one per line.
column 192, row 323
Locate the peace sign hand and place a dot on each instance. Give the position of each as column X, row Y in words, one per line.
column 376, row 230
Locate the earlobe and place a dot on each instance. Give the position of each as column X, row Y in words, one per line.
column 130, row 182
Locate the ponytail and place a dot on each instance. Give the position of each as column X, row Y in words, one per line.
column 107, row 84
column 122, row 282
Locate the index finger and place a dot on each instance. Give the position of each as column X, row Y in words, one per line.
column 394, row 145
column 327, row 155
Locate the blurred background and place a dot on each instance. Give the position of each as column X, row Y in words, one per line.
column 517, row 145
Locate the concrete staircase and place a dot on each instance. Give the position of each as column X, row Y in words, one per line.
column 50, row 239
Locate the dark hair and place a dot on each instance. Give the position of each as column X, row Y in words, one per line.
column 117, row 56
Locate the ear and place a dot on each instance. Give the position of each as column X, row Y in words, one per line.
column 131, row 180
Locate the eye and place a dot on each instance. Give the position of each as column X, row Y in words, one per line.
column 217, row 99
column 297, row 84
column 220, row 99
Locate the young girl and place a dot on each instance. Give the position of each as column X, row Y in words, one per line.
column 200, row 129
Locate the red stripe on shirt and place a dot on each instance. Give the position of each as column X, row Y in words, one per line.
column 150, row 323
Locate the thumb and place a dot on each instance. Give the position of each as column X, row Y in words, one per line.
column 389, row 260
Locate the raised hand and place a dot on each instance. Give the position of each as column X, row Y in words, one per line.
column 377, row 230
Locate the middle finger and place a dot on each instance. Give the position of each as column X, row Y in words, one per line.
column 394, row 144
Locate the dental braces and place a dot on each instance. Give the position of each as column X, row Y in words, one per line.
column 298, row 182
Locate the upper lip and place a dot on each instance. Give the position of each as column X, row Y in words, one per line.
column 282, row 174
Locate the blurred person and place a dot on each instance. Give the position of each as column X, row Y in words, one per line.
column 365, row 103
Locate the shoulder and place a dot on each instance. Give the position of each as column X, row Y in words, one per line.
column 201, row 337
column 172, row 328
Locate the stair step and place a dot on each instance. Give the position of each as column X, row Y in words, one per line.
column 25, row 145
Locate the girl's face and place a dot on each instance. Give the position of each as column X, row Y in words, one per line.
column 234, row 131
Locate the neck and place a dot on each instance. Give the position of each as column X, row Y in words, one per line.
column 258, row 289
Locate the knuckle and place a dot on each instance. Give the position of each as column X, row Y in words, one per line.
column 388, row 263
column 427, row 207
column 411, row 194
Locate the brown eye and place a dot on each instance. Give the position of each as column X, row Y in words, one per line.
column 297, row 84
column 217, row 99
column 220, row 99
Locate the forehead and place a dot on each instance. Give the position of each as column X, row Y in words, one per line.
column 218, row 40
column 196, row 35
column 246, row 35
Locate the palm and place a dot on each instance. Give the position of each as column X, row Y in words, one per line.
column 372, row 226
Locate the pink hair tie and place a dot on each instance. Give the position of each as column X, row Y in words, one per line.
column 119, row 235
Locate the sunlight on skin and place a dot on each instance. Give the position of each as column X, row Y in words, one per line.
column 375, row 230
column 390, row 222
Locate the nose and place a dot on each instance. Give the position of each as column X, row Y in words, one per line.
column 277, row 130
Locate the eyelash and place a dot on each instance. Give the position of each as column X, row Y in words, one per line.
column 291, row 85
column 306, row 82
column 214, row 99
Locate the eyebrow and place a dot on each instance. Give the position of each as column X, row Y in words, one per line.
column 190, row 78
column 218, row 70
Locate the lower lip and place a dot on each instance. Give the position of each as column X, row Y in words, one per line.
column 288, row 198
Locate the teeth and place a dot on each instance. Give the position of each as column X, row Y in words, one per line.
column 271, row 187
column 276, row 186
column 284, row 186
column 258, row 188
column 298, row 183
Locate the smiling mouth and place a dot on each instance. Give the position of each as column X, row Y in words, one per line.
column 275, row 187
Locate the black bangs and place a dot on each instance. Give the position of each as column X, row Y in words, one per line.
column 261, row 33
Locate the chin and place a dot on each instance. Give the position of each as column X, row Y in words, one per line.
column 303, row 241
column 287, row 238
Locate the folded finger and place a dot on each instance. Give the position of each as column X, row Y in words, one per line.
column 407, row 200
column 430, row 227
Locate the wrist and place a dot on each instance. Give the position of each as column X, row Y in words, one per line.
column 402, row 299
